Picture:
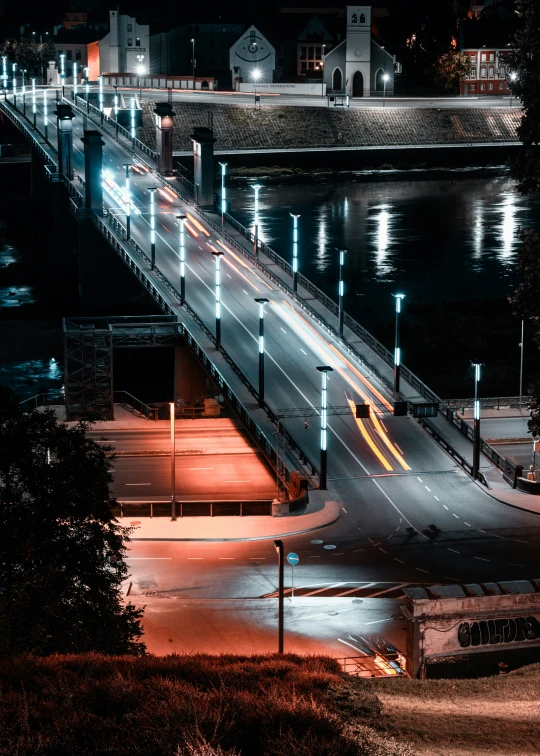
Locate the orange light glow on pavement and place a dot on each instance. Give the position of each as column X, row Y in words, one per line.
column 197, row 224
column 190, row 230
column 367, row 438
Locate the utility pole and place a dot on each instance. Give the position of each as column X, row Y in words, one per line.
column 278, row 545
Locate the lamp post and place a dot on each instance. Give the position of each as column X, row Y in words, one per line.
column 75, row 82
column 173, row 462
column 23, row 91
column 385, row 78
column 223, row 167
column 45, row 114
column 4, row 70
column 513, row 78
column 256, row 75
column 476, row 438
column 181, row 221
column 100, row 80
column 521, row 358
column 341, row 290
column 14, row 68
column 193, row 62
column 256, row 189
column 397, row 348
column 217, row 256
column 133, row 131
column 86, row 72
column 324, row 370
column 116, row 108
column 127, row 166
column 261, row 302
column 278, row 545
column 34, row 110
column 295, row 251
column 322, row 72
column 152, row 191
column 63, row 71
column 140, row 71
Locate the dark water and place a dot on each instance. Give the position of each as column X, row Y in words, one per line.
column 446, row 240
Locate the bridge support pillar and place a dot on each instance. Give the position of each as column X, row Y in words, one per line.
column 164, row 137
column 93, row 163
column 65, row 116
column 203, row 165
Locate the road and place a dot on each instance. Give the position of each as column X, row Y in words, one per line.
column 408, row 514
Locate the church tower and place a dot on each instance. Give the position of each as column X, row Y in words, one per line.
column 358, row 55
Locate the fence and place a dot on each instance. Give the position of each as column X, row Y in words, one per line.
column 124, row 397
column 490, row 402
column 40, row 400
column 259, row 507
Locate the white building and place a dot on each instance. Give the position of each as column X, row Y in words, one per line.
column 358, row 64
column 252, row 58
column 121, row 48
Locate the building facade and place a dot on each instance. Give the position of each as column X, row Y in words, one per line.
column 358, row 64
column 252, row 58
column 489, row 74
column 126, row 47
column 313, row 42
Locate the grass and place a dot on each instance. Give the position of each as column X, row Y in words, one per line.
column 493, row 716
column 187, row 706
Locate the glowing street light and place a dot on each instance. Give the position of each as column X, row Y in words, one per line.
column 116, row 107
column 476, row 437
column 23, row 91
column 513, row 78
column 223, row 208
column 75, row 81
column 87, row 87
column 45, row 114
column 100, row 80
column 34, row 110
column 324, row 370
column 140, row 71
column 153, row 190
column 295, row 251
column 127, row 200
column 397, row 348
column 217, row 256
column 256, row 188
column 181, row 221
column 63, row 71
column 172, row 412
column 261, row 302
column 256, row 75
column 133, row 129
column 385, row 78
column 4, row 70
column 341, row 290
column 14, row 68
column 193, row 62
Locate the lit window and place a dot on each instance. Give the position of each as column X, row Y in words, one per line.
column 491, row 72
column 473, row 58
column 502, row 72
column 483, row 57
column 490, row 86
column 491, row 57
column 482, row 87
column 354, row 18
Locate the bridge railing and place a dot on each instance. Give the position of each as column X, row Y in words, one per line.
column 123, row 247
column 124, row 397
column 490, row 402
column 28, row 130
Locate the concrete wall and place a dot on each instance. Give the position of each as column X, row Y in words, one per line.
column 284, row 88
column 241, row 127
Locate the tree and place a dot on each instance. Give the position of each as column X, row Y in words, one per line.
column 28, row 53
column 526, row 170
column 61, row 549
column 450, row 70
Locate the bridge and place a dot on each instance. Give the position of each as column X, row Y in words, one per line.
column 397, row 487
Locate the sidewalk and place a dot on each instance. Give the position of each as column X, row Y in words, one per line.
column 321, row 512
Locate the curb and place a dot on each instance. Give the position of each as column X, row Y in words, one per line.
column 503, row 501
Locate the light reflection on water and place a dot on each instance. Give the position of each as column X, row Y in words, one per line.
column 443, row 237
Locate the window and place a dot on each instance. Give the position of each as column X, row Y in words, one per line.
column 69, row 54
column 473, row 87
column 317, row 52
column 501, row 86
column 473, row 58
column 490, row 86
column 130, row 42
column 483, row 57
column 491, row 72
column 354, row 18
column 482, row 87
column 138, row 42
column 311, row 65
column 362, row 18
column 303, row 66
column 303, row 53
column 491, row 57
column 502, row 72
column 130, row 27
column 311, row 52
column 483, row 73
column 77, row 55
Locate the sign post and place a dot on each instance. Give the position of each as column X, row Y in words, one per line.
column 292, row 559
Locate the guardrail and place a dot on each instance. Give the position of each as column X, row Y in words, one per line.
column 40, row 400
column 19, row 122
column 254, row 508
column 141, row 273
column 491, row 402
column 462, row 462
column 466, row 430
column 124, row 397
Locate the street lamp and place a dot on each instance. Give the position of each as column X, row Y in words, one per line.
column 217, row 256
column 521, row 358
column 223, row 208
column 116, row 107
column 100, row 80
column 342, row 253
column 476, row 438
column 322, row 71
column 23, row 91
column 86, row 72
column 14, row 68
column 385, row 78
column 256, row 75
column 75, row 82
column 127, row 200
column 45, row 114
column 152, row 191
column 193, row 63
column 513, row 78
column 324, row 370
column 256, row 188
column 295, row 251
column 34, row 111
column 140, row 71
column 182, row 220
column 173, row 461
column 62, row 71
column 397, row 348
column 133, row 131
column 4, row 70
column 261, row 302
column 278, row 545
column 23, row 72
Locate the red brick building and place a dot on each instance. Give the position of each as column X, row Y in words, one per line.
column 490, row 69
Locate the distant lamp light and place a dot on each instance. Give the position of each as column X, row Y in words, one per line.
column 386, row 77
column 256, row 74
column 140, row 70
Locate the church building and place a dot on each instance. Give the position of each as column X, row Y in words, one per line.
column 358, row 64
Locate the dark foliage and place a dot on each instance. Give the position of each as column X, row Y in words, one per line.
column 61, row 551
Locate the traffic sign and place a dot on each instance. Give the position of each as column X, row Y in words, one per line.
column 293, row 558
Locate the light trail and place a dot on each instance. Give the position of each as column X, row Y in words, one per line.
column 367, row 438
column 197, row 224
column 243, row 264
column 190, row 230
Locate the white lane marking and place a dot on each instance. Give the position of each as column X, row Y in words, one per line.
column 303, row 351
column 397, row 528
column 343, row 508
column 227, row 558
column 427, row 489
column 138, row 484
column 229, row 275
column 257, row 557
column 237, row 481
column 195, row 558
column 145, row 559
column 455, row 515
column 200, row 468
column 399, row 560
column 444, row 505
column 387, row 590
column 358, row 588
column 314, row 557
column 483, row 531
column 357, row 550
column 468, row 523
column 245, row 292
column 436, row 497
column 481, row 559
column 376, row 622
column 418, row 569
column 284, row 331
column 518, row 541
column 498, row 536
column 324, row 614
column 326, row 588
column 454, row 550
column 383, row 551
column 515, row 564
column 417, row 478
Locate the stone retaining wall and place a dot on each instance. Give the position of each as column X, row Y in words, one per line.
column 241, row 127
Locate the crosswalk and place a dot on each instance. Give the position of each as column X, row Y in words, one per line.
column 346, row 589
